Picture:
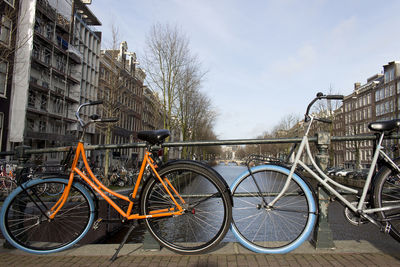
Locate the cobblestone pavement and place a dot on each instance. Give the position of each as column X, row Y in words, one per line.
column 354, row 246
column 342, row 259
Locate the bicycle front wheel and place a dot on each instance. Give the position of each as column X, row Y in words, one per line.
column 24, row 220
column 7, row 185
column 207, row 208
column 277, row 229
column 387, row 194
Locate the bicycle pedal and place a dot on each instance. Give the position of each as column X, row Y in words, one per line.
column 388, row 228
column 97, row 223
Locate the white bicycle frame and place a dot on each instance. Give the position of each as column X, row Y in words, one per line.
column 325, row 180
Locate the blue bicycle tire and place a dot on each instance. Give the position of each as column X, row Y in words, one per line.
column 247, row 204
column 40, row 243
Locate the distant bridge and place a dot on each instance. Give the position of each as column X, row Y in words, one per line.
column 231, row 162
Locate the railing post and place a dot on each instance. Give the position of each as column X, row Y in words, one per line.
column 322, row 237
column 149, row 243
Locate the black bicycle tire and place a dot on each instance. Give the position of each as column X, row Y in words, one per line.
column 214, row 180
column 385, row 179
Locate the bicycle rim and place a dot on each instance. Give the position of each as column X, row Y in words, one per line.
column 207, row 210
column 26, row 226
column 281, row 228
column 387, row 193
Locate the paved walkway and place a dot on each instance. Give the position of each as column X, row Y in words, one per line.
column 347, row 253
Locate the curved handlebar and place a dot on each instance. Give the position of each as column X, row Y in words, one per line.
column 335, row 97
column 94, row 117
column 320, row 96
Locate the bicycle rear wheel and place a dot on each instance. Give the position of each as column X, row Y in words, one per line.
column 277, row 229
column 387, row 193
column 24, row 220
column 207, row 207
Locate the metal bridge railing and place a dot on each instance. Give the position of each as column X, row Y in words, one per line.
column 322, row 234
column 28, row 150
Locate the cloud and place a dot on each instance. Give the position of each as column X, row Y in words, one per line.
column 343, row 34
column 300, row 62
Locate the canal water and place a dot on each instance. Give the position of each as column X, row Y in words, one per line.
column 228, row 172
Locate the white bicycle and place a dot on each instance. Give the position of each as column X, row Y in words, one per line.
column 275, row 208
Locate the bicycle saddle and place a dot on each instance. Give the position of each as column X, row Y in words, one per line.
column 153, row 137
column 382, row 126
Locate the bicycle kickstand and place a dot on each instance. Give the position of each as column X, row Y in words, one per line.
column 114, row 257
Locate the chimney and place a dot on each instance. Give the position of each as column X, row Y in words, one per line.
column 356, row 85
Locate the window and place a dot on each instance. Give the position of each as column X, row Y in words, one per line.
column 57, row 106
column 3, row 77
column 377, row 95
column 49, row 31
column 42, row 126
column 43, row 102
column 31, row 99
column 60, row 63
column 30, row 124
column 5, row 30
column 47, row 56
column 36, row 51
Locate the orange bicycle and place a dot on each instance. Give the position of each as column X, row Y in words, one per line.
column 186, row 205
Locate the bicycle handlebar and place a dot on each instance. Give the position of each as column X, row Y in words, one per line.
column 319, row 97
column 335, row 97
column 94, row 117
column 97, row 102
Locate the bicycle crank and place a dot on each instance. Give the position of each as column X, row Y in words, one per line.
column 354, row 218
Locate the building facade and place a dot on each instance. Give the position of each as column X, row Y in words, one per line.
column 8, row 22
column 377, row 99
column 46, row 80
column 51, row 65
column 86, row 42
column 152, row 113
column 121, row 89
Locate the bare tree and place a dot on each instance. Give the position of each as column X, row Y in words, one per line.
column 165, row 60
column 174, row 72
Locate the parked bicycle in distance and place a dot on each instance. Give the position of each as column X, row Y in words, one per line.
column 7, row 179
column 275, row 209
column 186, row 206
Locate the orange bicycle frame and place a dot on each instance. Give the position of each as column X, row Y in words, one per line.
column 100, row 188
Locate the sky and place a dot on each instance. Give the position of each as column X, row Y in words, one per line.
column 266, row 59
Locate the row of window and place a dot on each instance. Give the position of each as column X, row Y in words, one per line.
column 361, row 101
column 55, row 105
column 364, row 154
column 385, row 108
column 384, row 92
column 86, row 36
column 358, row 115
column 45, row 126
